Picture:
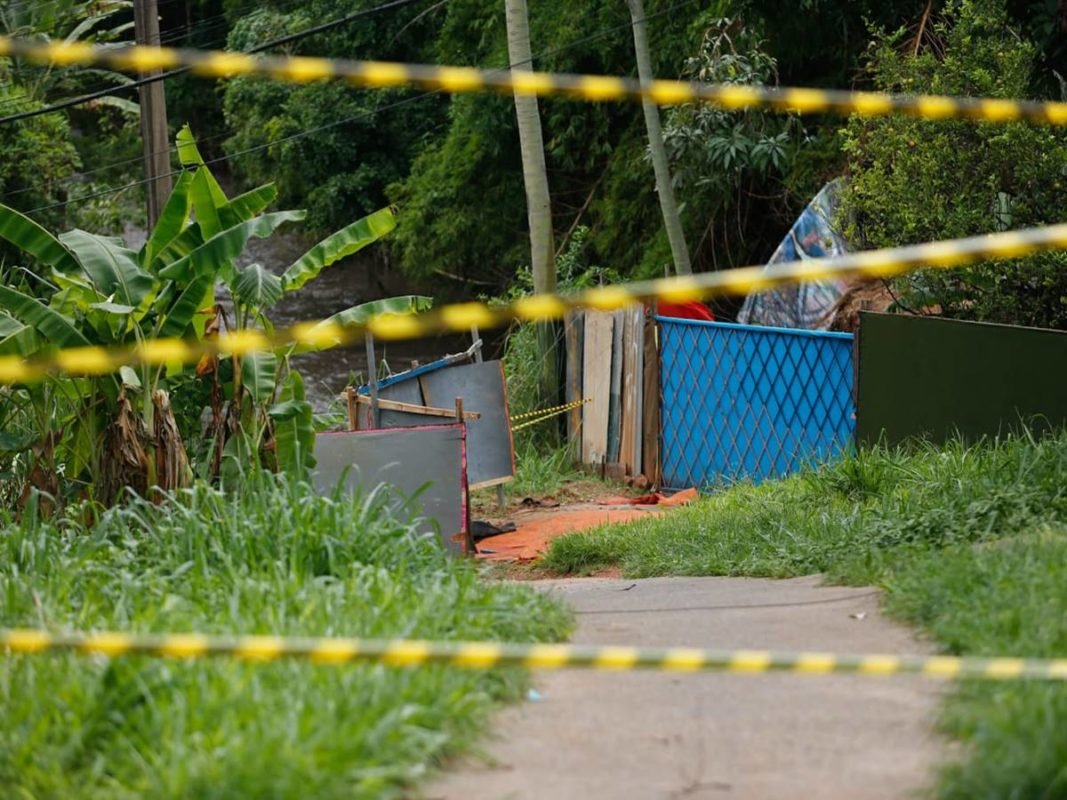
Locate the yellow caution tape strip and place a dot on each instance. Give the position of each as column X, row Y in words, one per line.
column 549, row 414
column 544, row 412
column 460, row 318
column 594, row 88
column 484, row 655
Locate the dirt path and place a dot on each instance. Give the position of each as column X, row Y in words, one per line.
column 662, row 735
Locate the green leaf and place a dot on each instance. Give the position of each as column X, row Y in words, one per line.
column 247, row 205
column 16, row 337
column 53, row 326
column 178, row 247
column 401, row 304
column 182, row 312
column 257, row 287
column 221, row 250
column 113, row 308
column 111, row 266
column 11, row 443
column 172, row 220
column 207, row 196
column 359, row 314
column 206, row 202
column 345, row 242
column 188, row 153
column 294, row 432
column 31, row 238
column 258, row 371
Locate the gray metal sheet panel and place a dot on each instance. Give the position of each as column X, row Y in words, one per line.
column 490, row 451
column 426, row 461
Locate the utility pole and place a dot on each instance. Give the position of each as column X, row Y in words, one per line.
column 538, row 204
column 153, row 117
column 664, row 187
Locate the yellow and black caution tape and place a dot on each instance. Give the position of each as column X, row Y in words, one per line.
column 546, row 412
column 484, row 655
column 594, row 88
column 460, row 318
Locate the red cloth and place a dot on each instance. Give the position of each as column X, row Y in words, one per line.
column 688, row 310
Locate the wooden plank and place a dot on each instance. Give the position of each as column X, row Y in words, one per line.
column 639, row 374
column 631, row 378
column 572, row 333
column 650, row 406
column 411, row 408
column 596, row 382
column 615, row 404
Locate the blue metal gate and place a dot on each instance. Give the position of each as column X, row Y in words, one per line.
column 743, row 401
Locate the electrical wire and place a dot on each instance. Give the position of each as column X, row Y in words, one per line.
column 328, row 126
column 292, row 37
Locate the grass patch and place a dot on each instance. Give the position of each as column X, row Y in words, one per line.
column 540, row 472
column 970, row 543
column 276, row 560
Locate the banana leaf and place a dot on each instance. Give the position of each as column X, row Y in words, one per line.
column 111, row 266
column 54, row 327
column 206, row 202
column 207, row 196
column 257, row 287
column 16, row 337
column 182, row 312
column 359, row 314
column 294, row 431
column 258, row 372
column 172, row 220
column 220, row 251
column 350, row 239
column 29, row 237
column 247, row 205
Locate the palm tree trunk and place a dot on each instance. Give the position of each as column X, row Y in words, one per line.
column 538, row 204
column 664, row 188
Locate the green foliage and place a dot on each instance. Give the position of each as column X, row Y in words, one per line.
column 524, row 353
column 274, row 558
column 367, row 139
column 914, row 181
column 93, row 290
column 39, row 153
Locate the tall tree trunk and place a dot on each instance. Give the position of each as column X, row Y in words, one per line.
column 664, row 188
column 538, row 205
column 535, row 176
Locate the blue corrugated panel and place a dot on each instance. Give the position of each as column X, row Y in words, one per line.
column 742, row 401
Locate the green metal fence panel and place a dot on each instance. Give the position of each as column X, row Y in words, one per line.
column 936, row 378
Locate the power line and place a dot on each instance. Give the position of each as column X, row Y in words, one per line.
column 292, row 37
column 330, row 125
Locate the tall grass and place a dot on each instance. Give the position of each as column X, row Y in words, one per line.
column 970, row 542
column 275, row 560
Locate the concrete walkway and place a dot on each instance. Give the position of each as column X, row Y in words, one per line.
column 662, row 735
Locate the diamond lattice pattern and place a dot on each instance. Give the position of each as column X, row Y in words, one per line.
column 741, row 401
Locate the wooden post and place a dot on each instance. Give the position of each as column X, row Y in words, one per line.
column 475, row 338
column 350, row 395
column 468, row 535
column 153, row 117
column 372, row 379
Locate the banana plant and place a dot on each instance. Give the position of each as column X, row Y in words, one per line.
column 89, row 289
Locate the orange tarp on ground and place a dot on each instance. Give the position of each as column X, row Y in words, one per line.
column 537, row 528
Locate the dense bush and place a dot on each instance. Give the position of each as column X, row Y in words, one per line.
column 913, row 181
